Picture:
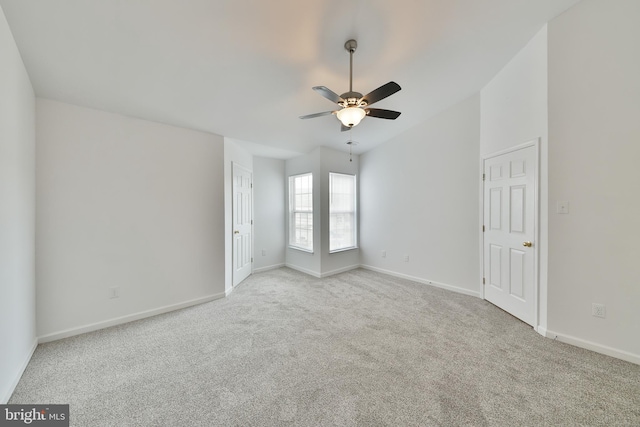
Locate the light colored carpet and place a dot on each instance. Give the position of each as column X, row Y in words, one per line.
column 359, row 348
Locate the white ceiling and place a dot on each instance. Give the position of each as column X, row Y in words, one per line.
column 244, row 68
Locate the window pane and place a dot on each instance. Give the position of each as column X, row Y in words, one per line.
column 341, row 233
column 305, row 203
column 301, row 211
column 342, row 211
column 303, row 230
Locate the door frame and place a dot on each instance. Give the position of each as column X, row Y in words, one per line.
column 234, row 166
column 536, row 222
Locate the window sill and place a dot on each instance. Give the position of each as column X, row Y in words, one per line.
column 309, row 251
column 353, row 248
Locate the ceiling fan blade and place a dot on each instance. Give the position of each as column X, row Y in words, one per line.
column 311, row 116
column 344, row 128
column 328, row 93
column 382, row 114
column 381, row 93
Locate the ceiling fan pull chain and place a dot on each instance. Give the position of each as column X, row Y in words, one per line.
column 351, row 144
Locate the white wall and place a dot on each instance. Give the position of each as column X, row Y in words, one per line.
column 513, row 105
column 419, row 197
column 269, row 213
column 128, row 203
column 594, row 150
column 17, row 214
column 513, row 110
column 233, row 153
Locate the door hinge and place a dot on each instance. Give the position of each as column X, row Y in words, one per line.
column 251, row 259
column 483, row 281
column 252, row 185
column 483, row 228
column 251, row 222
column 484, row 177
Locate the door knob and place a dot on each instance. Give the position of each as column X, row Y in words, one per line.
column 527, row 244
column 236, row 232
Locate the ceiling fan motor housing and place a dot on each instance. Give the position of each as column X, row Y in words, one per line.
column 352, row 99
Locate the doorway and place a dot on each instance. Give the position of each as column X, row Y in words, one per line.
column 242, row 213
column 510, row 224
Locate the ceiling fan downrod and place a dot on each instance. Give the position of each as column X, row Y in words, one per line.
column 351, row 46
column 351, row 98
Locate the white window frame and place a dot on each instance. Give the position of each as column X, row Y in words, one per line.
column 295, row 210
column 353, row 212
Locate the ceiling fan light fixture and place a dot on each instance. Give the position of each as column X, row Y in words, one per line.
column 351, row 116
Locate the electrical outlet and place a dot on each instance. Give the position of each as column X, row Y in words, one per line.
column 406, row 258
column 599, row 310
column 383, row 254
column 562, row 207
column 114, row 292
column 264, row 252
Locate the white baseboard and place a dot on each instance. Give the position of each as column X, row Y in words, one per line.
column 322, row 275
column 304, row 270
column 339, row 270
column 598, row 348
column 542, row 331
column 12, row 386
column 423, row 281
column 267, row 268
column 125, row 319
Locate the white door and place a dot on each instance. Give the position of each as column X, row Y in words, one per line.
column 509, row 232
column 242, row 223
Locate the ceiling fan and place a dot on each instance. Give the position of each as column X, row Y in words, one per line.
column 354, row 105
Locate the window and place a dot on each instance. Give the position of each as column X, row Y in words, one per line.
column 342, row 212
column 301, row 212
